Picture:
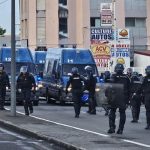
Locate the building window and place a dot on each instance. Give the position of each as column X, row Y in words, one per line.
column 92, row 22
column 95, row 22
column 40, row 4
column 64, row 2
column 140, row 22
column 135, row 22
column 63, row 25
column 41, row 32
column 130, row 22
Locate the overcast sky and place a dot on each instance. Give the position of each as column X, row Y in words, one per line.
column 5, row 15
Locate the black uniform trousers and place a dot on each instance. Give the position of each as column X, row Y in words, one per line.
column 135, row 106
column 92, row 103
column 2, row 97
column 26, row 93
column 76, row 98
column 147, row 106
column 122, row 112
column 112, row 117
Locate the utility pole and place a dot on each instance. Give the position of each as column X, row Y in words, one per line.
column 115, row 34
column 13, row 60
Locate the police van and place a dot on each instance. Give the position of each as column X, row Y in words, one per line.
column 23, row 58
column 57, row 70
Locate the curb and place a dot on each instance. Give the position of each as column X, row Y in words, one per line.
column 8, row 125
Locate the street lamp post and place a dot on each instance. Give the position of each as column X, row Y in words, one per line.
column 115, row 34
column 13, row 60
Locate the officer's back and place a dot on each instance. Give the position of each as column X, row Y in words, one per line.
column 120, row 78
column 76, row 84
column 90, row 82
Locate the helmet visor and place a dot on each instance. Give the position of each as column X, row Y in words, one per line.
column 23, row 69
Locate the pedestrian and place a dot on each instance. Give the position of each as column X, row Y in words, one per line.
column 119, row 78
column 90, row 85
column 75, row 81
column 146, row 93
column 26, row 82
column 135, row 96
column 4, row 82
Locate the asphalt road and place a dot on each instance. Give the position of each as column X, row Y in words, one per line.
column 12, row 141
column 135, row 137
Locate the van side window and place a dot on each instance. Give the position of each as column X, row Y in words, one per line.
column 54, row 67
column 49, row 68
column 58, row 70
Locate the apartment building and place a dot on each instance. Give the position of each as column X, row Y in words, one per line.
column 51, row 23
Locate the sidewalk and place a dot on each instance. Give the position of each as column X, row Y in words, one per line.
column 36, row 128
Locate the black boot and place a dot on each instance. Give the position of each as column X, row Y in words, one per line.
column 134, row 121
column 147, row 127
column 120, row 131
column 111, row 130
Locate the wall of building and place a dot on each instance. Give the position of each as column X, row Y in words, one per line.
column 141, row 62
column 52, row 25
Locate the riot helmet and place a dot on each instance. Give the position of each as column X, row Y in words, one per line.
column 1, row 67
column 119, row 68
column 135, row 76
column 129, row 71
column 107, row 74
column 74, row 70
column 24, row 69
column 147, row 70
column 88, row 70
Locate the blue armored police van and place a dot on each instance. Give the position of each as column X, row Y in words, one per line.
column 58, row 66
column 23, row 58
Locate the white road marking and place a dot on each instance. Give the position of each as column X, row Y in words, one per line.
column 88, row 131
column 136, row 143
column 13, row 134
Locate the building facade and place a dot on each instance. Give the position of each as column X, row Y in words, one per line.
column 46, row 23
column 51, row 23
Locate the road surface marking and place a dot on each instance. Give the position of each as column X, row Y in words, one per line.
column 88, row 131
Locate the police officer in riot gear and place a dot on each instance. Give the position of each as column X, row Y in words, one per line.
column 107, row 75
column 75, row 81
column 135, row 96
column 146, row 93
column 4, row 81
column 122, row 79
column 129, row 72
column 26, row 82
column 90, row 85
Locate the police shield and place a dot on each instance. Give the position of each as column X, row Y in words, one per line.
column 115, row 95
column 111, row 94
column 101, row 98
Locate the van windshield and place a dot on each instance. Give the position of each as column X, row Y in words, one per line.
column 68, row 67
column 40, row 57
column 77, row 57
